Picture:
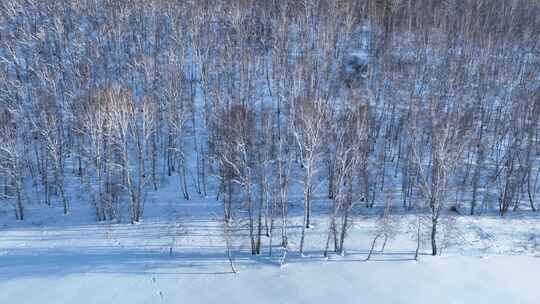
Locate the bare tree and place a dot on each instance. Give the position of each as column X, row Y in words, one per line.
column 349, row 137
column 11, row 160
column 310, row 117
column 445, row 135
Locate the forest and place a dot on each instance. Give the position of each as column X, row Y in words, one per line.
column 275, row 111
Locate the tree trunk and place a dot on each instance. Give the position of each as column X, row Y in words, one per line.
column 434, row 235
column 19, row 210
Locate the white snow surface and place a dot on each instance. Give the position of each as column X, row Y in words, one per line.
column 432, row 280
column 52, row 258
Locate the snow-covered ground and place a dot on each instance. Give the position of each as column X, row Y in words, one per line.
column 433, row 280
column 177, row 255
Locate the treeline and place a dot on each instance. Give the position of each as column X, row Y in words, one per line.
column 353, row 99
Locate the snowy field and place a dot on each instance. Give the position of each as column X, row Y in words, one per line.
column 502, row 279
column 178, row 257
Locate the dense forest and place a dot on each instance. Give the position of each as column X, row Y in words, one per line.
column 424, row 107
